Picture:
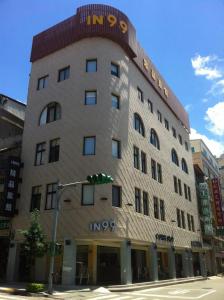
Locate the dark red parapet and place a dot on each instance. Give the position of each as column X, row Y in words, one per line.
column 96, row 20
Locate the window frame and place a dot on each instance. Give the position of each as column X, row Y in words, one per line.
column 145, row 203
column 154, row 139
column 138, row 121
column 138, row 207
column 84, row 144
column 159, row 173
column 117, row 101
column 140, row 94
column 35, row 197
column 54, row 150
column 156, row 207
column 119, row 188
column 143, row 162
column 44, row 78
column 82, row 194
column 159, row 116
column 174, row 132
column 89, row 60
column 53, row 194
column 150, row 105
column 90, row 91
column 136, row 157
column 153, row 169
column 66, row 74
column 162, row 210
column 117, row 73
column 118, row 149
column 43, row 151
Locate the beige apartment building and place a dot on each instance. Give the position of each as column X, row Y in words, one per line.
column 96, row 103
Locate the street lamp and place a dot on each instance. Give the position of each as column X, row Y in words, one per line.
column 100, row 178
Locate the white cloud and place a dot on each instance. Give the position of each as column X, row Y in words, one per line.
column 205, row 66
column 215, row 118
column 217, row 88
column 205, row 100
column 188, row 107
column 217, row 148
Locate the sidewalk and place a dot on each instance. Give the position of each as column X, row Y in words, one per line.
column 60, row 291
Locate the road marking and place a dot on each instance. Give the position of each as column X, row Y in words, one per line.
column 108, row 297
column 179, row 292
column 176, row 297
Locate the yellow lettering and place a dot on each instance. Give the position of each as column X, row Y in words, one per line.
column 88, row 20
column 145, row 64
column 124, row 26
column 160, row 83
column 153, row 74
column 166, row 92
column 112, row 20
column 97, row 20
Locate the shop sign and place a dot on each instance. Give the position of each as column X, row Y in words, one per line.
column 217, row 202
column 196, row 244
column 11, row 185
column 103, row 225
column 110, row 20
column 163, row 237
column 4, row 224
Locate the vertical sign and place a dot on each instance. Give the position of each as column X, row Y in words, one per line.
column 206, row 211
column 11, row 185
column 217, row 202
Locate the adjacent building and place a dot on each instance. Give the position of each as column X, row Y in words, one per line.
column 11, row 129
column 97, row 103
column 208, row 185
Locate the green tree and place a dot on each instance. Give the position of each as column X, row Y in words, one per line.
column 34, row 244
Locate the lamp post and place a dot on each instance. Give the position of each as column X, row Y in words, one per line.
column 92, row 179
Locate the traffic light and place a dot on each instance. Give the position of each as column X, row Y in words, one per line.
column 100, row 178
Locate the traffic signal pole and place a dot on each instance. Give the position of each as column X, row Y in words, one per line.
column 60, row 188
column 100, row 178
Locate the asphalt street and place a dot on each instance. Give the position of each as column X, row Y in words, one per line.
column 211, row 289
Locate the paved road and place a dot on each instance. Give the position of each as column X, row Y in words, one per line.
column 212, row 289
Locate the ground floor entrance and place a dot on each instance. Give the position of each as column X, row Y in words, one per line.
column 4, row 250
column 179, row 265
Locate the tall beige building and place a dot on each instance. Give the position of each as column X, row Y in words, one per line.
column 96, row 104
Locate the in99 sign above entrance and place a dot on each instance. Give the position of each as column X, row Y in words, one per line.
column 110, row 19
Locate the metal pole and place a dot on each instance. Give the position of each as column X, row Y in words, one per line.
column 59, row 190
column 53, row 240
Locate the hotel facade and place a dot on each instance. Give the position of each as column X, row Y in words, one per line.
column 97, row 104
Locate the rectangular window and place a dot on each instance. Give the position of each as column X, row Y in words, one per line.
column 167, row 126
column 162, row 210
column 189, row 221
column 89, row 145
column 159, row 116
column 116, row 148
column 116, row 196
column 115, row 70
column 40, row 154
column 87, row 194
column 178, row 218
column 140, row 94
column 145, row 204
column 54, row 150
column 156, row 207
column 180, row 187
column 192, row 223
column 51, row 196
column 42, row 82
column 90, row 97
column 63, row 74
column 115, row 101
column 91, row 65
column 175, row 184
column 35, row 198
column 150, row 106
column 159, row 173
column 137, row 200
column 143, row 162
column 189, row 193
column 174, row 132
column 185, row 191
column 153, row 169
column 180, row 139
column 186, row 146
column 183, row 219
column 136, row 157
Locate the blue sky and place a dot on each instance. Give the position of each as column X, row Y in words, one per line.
column 184, row 39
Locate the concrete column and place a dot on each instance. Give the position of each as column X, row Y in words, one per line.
column 185, row 262
column 94, row 247
column 190, row 260
column 202, row 264
column 69, row 262
column 154, row 262
column 171, row 263
column 126, row 273
column 13, row 261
